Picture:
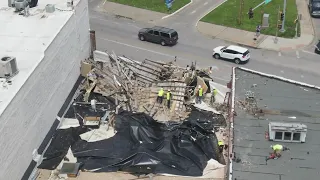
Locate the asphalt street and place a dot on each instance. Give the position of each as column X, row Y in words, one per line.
column 120, row 35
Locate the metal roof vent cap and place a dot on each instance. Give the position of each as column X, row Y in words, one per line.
column 20, row 4
column 8, row 67
column 50, row 8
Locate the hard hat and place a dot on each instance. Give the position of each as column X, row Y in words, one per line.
column 271, row 146
column 161, row 88
column 169, row 90
column 199, row 86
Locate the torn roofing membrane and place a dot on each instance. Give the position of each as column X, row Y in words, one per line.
column 141, row 145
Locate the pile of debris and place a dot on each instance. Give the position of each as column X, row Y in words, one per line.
column 116, row 124
column 134, row 85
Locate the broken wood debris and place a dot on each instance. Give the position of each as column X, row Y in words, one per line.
column 135, row 85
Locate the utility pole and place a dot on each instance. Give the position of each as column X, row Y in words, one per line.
column 276, row 38
column 297, row 21
column 240, row 12
column 284, row 15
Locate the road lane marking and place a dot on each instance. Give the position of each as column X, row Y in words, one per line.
column 136, row 47
column 205, row 3
column 193, row 12
column 164, row 17
column 156, row 52
column 298, row 55
column 209, row 10
column 310, row 52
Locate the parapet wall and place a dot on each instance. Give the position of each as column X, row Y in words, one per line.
column 32, row 112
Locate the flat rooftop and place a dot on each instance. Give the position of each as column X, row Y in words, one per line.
column 281, row 101
column 27, row 38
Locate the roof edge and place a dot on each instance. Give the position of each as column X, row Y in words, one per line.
column 278, row 78
column 231, row 116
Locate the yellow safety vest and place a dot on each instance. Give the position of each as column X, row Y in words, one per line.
column 277, row 147
column 160, row 93
column 220, row 143
column 200, row 92
column 168, row 96
column 215, row 92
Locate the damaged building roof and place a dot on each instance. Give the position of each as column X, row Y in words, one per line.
column 280, row 101
column 115, row 123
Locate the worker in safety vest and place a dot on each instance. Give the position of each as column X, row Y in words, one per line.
column 277, row 149
column 169, row 96
column 160, row 96
column 221, row 145
column 214, row 94
column 199, row 95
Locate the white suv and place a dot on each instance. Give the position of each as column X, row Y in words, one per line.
column 234, row 53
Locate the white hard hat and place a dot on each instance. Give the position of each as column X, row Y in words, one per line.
column 271, row 146
column 199, row 86
column 169, row 90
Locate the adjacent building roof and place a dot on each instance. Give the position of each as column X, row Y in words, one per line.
column 27, row 38
column 280, row 101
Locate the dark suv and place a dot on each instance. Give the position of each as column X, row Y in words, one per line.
column 160, row 35
column 314, row 8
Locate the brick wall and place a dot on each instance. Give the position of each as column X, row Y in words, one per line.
column 31, row 113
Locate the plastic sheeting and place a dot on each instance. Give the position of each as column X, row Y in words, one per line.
column 142, row 145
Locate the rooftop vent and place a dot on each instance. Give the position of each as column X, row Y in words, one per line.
column 11, row 3
column 8, row 67
column 69, row 3
column 287, row 132
column 50, row 8
column 22, row 4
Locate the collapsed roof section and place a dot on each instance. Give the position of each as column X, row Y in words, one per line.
column 114, row 124
column 134, row 85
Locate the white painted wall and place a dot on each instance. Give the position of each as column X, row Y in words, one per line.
column 31, row 113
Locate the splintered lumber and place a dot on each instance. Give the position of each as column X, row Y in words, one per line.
column 159, row 63
column 155, row 65
column 136, row 67
column 147, row 67
column 88, row 91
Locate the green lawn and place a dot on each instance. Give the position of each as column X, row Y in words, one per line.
column 227, row 15
column 153, row 5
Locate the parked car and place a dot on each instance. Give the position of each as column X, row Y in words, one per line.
column 160, row 35
column 314, row 8
column 317, row 48
column 234, row 53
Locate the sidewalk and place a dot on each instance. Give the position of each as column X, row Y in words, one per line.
column 264, row 41
column 130, row 12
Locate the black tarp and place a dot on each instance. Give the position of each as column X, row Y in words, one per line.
column 58, row 148
column 142, row 145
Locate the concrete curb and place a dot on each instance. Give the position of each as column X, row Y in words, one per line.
column 209, row 12
column 292, row 48
column 167, row 16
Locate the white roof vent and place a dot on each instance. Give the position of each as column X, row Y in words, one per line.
column 50, row 8
column 20, row 4
column 8, row 67
column 287, row 132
